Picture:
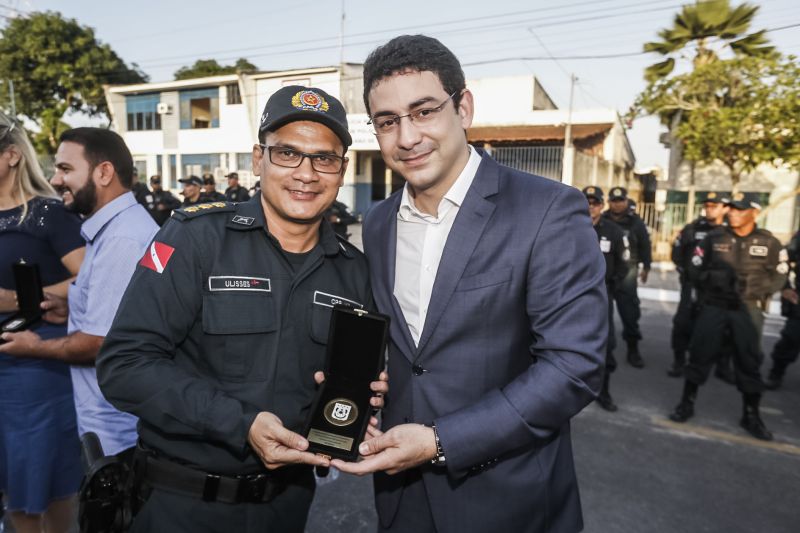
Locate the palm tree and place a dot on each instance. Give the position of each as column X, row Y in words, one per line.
column 711, row 26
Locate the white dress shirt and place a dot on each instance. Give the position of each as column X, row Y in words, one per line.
column 420, row 243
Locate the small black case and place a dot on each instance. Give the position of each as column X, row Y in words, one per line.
column 355, row 356
column 29, row 297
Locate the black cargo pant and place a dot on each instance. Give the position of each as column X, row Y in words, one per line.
column 709, row 330
column 683, row 320
column 628, row 305
column 788, row 346
column 167, row 511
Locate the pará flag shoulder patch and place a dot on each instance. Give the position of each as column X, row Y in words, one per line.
column 157, row 256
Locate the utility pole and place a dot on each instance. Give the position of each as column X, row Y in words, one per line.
column 568, row 161
column 341, row 38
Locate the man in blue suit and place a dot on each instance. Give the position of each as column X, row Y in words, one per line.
column 494, row 283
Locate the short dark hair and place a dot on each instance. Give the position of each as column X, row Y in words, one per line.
column 416, row 53
column 101, row 145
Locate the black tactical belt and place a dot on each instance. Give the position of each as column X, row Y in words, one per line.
column 253, row 488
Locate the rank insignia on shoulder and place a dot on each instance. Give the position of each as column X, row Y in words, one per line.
column 192, row 211
column 245, row 221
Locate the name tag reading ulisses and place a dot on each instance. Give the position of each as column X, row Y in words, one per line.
column 238, row 283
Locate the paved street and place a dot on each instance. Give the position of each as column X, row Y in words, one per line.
column 640, row 472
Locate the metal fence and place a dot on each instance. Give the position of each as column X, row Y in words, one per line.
column 664, row 225
column 542, row 160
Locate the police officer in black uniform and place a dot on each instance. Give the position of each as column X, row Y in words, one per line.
column 638, row 240
column 210, row 192
column 235, row 192
column 612, row 244
column 224, row 324
column 192, row 192
column 735, row 270
column 716, row 207
column 788, row 346
column 160, row 203
column 340, row 217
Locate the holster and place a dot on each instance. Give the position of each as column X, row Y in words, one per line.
column 103, row 501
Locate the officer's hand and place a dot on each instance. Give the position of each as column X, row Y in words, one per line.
column 643, row 275
column 277, row 446
column 790, row 295
column 402, row 447
column 55, row 308
column 20, row 343
column 380, row 388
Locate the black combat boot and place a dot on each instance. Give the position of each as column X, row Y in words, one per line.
column 751, row 420
column 676, row 370
column 685, row 410
column 604, row 399
column 634, row 357
column 775, row 376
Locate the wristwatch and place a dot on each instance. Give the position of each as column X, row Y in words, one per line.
column 438, row 459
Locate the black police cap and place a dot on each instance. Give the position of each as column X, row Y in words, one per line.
column 296, row 102
column 618, row 193
column 192, row 180
column 593, row 191
column 745, row 200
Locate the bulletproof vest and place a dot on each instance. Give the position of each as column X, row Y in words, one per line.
column 740, row 264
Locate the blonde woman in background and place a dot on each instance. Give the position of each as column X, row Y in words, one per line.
column 39, row 450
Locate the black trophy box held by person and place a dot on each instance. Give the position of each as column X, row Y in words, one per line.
column 355, row 356
column 29, row 298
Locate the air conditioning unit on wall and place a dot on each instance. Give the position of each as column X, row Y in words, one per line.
column 163, row 108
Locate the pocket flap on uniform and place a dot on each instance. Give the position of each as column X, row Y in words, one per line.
column 238, row 312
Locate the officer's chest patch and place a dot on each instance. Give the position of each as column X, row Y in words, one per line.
column 605, row 245
column 759, row 251
column 238, row 283
column 700, row 235
column 329, row 300
column 722, row 247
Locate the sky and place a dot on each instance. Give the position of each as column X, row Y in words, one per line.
column 598, row 41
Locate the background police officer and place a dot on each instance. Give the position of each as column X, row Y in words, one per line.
column 235, row 192
column 192, row 192
column 161, row 202
column 223, row 326
column 635, row 232
column 210, row 192
column 788, row 346
column 612, row 244
column 716, row 208
column 340, row 217
column 735, row 270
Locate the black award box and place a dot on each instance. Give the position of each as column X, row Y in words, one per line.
column 355, row 355
column 29, row 297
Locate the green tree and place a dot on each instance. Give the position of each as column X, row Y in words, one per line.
column 707, row 27
column 742, row 112
column 210, row 67
column 58, row 65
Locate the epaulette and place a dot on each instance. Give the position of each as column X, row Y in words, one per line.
column 192, row 211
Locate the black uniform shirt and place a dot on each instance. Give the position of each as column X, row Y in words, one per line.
column 237, row 194
column 727, row 268
column 615, row 252
column 165, row 198
column 214, row 196
column 635, row 232
column 215, row 327
column 687, row 240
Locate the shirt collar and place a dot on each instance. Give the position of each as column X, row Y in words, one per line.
column 249, row 215
column 455, row 195
column 93, row 225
